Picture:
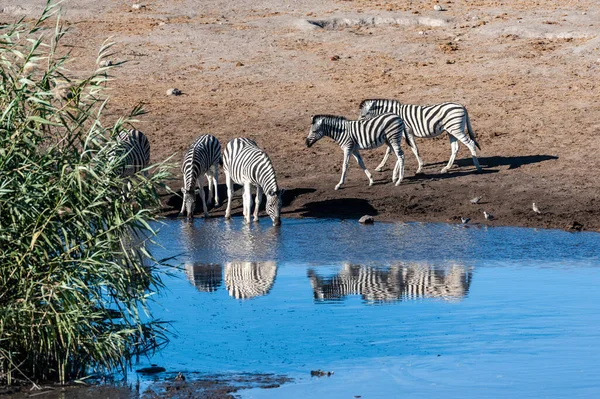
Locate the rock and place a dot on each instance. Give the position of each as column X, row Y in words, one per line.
column 366, row 220
column 105, row 63
column 137, row 6
column 151, row 370
column 173, row 92
column 438, row 7
column 180, row 377
column 320, row 373
column 335, row 58
column 575, row 226
column 238, row 64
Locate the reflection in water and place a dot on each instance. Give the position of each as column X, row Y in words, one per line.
column 206, row 277
column 398, row 282
column 249, row 279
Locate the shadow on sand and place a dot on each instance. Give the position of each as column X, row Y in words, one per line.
column 511, row 162
column 339, row 208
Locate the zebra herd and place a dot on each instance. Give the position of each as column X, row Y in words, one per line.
column 399, row 282
column 381, row 122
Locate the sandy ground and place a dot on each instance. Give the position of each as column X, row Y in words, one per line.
column 526, row 71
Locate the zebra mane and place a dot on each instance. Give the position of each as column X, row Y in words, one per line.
column 375, row 100
column 315, row 118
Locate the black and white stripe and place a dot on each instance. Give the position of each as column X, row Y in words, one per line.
column 246, row 164
column 427, row 122
column 201, row 159
column 364, row 134
column 205, row 277
column 134, row 148
column 246, row 280
column 398, row 282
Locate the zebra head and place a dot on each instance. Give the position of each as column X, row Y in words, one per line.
column 189, row 201
column 273, row 206
column 323, row 125
column 367, row 109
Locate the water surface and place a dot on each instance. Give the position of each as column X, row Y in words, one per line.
column 393, row 309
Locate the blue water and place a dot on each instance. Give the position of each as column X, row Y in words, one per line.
column 393, row 309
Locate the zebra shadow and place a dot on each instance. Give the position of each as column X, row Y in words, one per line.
column 339, row 208
column 495, row 161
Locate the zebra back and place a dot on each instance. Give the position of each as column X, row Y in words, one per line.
column 246, row 162
column 135, row 147
column 203, row 154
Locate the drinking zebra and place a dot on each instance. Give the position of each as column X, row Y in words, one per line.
column 206, row 277
column 398, row 282
column 363, row 134
column 246, row 280
column 202, row 158
column 134, row 147
column 427, row 122
column 246, row 164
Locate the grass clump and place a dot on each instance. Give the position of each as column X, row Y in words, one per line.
column 75, row 274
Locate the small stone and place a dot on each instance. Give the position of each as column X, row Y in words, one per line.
column 438, row 7
column 106, row 63
column 366, row 219
column 173, row 92
column 137, row 6
column 335, row 58
column 238, row 64
column 575, row 226
column 180, row 377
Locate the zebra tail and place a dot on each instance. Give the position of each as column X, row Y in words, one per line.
column 470, row 130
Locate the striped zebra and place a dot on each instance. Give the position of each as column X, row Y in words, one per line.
column 202, row 158
column 427, row 122
column 134, row 147
column 205, row 277
column 246, row 164
column 398, row 282
column 246, row 280
column 363, row 134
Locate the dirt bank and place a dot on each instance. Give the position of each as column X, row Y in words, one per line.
column 526, row 71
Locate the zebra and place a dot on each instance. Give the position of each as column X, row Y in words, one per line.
column 246, row 164
column 206, row 277
column 363, row 134
column 202, row 158
column 398, row 282
column 135, row 149
column 427, row 122
column 246, row 280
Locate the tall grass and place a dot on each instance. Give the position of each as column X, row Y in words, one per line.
column 75, row 274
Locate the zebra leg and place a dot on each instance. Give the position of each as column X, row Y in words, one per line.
column 247, row 200
column 362, row 166
column 209, row 182
column 398, row 174
column 202, row 196
column 215, row 177
column 471, row 146
column 257, row 202
column 381, row 165
column 344, row 169
column 454, row 148
column 229, row 185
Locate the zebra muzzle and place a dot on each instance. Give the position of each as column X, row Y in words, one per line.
column 309, row 142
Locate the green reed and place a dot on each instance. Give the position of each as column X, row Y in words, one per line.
column 75, row 271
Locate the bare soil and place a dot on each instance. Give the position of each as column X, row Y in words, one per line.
column 526, row 71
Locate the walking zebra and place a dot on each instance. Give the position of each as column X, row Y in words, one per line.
column 134, row 147
column 249, row 279
column 427, row 122
column 398, row 282
column 246, row 164
column 363, row 134
column 202, row 158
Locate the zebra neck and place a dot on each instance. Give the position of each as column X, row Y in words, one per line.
column 266, row 178
column 336, row 130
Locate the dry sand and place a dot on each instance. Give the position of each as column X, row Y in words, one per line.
column 526, row 71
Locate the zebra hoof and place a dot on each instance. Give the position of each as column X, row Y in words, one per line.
column 378, row 169
column 419, row 172
column 398, row 183
column 370, row 183
column 338, row 187
column 444, row 171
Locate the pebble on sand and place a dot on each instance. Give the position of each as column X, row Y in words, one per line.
column 366, row 219
column 173, row 92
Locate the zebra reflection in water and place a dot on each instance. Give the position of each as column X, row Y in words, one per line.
column 205, row 277
column 398, row 282
column 246, row 280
